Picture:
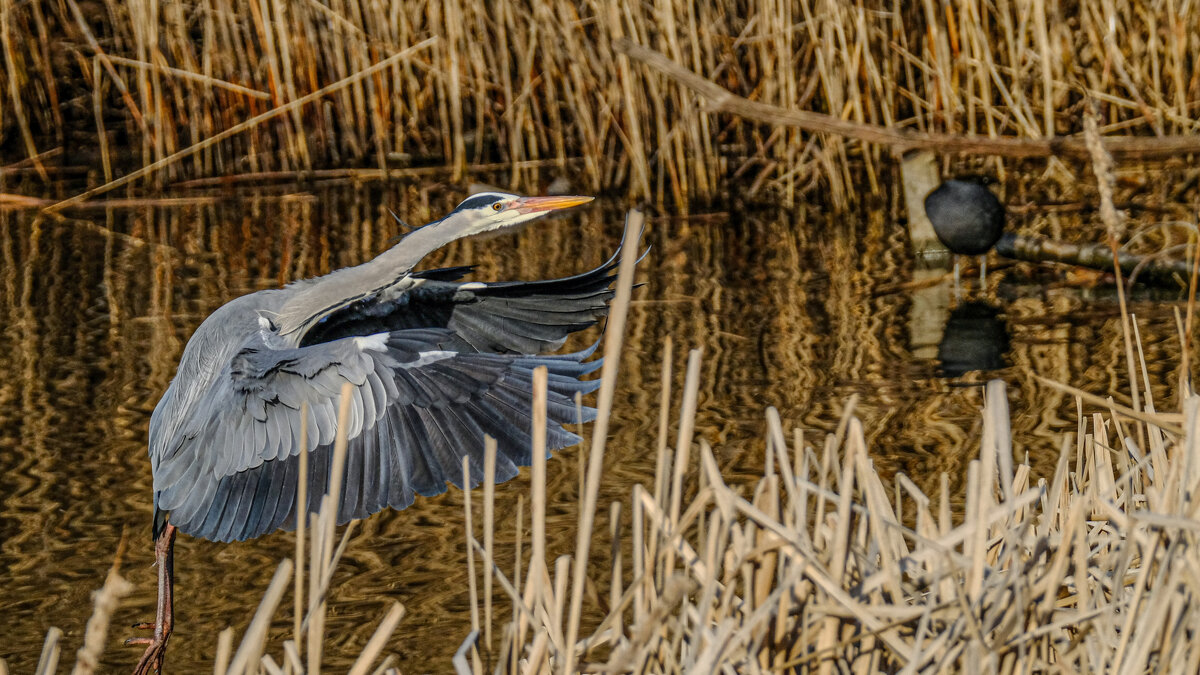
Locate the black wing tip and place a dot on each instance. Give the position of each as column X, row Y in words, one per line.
column 600, row 276
column 444, row 273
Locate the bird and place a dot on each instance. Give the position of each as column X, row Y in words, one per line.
column 435, row 363
column 966, row 217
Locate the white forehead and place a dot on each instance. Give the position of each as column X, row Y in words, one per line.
column 483, row 200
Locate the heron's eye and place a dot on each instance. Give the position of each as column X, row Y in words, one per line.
column 497, row 206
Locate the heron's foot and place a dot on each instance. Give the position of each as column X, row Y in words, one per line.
column 152, row 659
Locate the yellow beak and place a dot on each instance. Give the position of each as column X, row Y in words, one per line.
column 535, row 204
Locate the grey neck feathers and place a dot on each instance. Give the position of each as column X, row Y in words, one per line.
column 323, row 295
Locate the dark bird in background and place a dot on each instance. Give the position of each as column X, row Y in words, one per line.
column 435, row 363
column 966, row 217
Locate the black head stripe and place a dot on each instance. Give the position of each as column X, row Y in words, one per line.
column 479, row 201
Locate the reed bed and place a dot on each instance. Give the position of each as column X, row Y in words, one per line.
column 823, row 566
column 161, row 92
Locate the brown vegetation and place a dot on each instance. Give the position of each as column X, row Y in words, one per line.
column 821, row 568
column 115, row 86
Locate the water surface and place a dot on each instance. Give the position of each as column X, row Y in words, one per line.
column 793, row 310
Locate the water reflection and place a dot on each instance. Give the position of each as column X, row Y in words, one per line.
column 790, row 310
column 975, row 338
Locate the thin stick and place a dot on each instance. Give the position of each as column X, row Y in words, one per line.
column 1102, row 167
column 322, row 589
column 48, row 661
column 608, row 377
column 537, row 559
column 337, row 472
column 687, row 425
column 321, row 569
column 224, row 651
column 537, row 564
column 242, row 126
column 489, row 532
column 312, row 620
column 291, row 653
column 900, row 139
column 470, row 533
column 252, row 642
column 664, row 421
column 378, row 639
column 189, row 75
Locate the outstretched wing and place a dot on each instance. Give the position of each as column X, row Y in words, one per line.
column 512, row 317
column 418, row 408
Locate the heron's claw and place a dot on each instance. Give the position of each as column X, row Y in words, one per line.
column 152, row 660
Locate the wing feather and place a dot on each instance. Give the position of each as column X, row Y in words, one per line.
column 444, row 364
column 521, row 317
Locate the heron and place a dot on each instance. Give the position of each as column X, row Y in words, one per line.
column 435, row 363
column 967, row 218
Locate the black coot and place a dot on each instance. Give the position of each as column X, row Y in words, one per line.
column 966, row 216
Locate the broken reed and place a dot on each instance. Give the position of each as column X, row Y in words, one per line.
column 822, row 567
column 531, row 84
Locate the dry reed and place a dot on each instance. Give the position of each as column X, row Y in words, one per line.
column 524, row 83
column 821, row 567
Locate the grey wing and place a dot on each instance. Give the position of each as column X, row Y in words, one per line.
column 417, row 409
column 513, row 317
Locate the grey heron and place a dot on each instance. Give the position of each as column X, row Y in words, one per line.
column 966, row 217
column 435, row 363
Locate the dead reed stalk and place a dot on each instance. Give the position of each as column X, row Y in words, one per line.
column 819, row 567
column 525, row 81
column 1050, row 575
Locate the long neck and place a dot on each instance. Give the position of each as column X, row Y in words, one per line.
column 319, row 297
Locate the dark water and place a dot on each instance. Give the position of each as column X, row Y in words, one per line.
column 792, row 310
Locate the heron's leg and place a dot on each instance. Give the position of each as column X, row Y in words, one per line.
column 983, row 272
column 957, row 288
column 164, row 551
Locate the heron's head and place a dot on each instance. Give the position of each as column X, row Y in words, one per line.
column 498, row 211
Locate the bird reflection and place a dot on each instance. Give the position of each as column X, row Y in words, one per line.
column 976, row 338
